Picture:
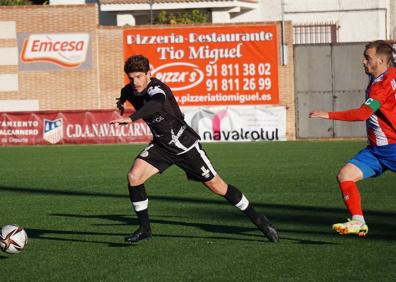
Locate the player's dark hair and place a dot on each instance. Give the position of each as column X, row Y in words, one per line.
column 383, row 48
column 136, row 63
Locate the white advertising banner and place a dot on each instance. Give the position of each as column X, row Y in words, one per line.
column 54, row 50
column 238, row 123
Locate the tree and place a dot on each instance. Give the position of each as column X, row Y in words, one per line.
column 182, row 17
column 15, row 2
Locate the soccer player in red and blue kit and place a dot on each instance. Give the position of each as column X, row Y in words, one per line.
column 379, row 112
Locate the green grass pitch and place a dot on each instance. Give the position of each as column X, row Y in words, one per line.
column 73, row 202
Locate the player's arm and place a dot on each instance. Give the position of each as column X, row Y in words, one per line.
column 121, row 100
column 360, row 114
column 149, row 108
column 152, row 106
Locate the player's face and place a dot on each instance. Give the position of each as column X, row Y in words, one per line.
column 139, row 80
column 371, row 62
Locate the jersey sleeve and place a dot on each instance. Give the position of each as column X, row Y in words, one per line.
column 156, row 90
column 359, row 114
column 123, row 95
column 149, row 108
column 378, row 95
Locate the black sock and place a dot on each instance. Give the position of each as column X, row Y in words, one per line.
column 233, row 195
column 253, row 215
column 236, row 198
column 138, row 197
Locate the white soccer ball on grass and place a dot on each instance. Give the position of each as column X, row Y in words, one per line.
column 13, row 239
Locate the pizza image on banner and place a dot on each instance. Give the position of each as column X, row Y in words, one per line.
column 53, row 130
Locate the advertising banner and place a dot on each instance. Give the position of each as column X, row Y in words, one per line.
column 218, row 123
column 54, row 51
column 218, row 65
column 238, row 123
column 69, row 127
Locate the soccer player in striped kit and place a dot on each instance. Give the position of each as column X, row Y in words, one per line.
column 379, row 112
column 174, row 142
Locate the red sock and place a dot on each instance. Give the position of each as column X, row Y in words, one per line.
column 351, row 196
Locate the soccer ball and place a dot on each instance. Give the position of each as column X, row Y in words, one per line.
column 13, row 239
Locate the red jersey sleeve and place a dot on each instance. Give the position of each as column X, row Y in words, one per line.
column 360, row 114
column 379, row 93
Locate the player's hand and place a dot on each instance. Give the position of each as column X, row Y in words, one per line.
column 319, row 114
column 121, row 121
column 120, row 106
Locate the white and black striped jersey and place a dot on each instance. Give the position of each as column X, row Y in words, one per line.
column 158, row 108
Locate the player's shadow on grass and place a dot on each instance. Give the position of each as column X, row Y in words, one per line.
column 60, row 235
column 64, row 235
column 292, row 219
column 227, row 232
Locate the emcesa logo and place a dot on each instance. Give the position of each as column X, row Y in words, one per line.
column 226, row 125
column 63, row 49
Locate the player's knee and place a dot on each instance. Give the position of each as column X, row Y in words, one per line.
column 339, row 177
column 217, row 186
column 344, row 175
column 217, row 190
column 134, row 179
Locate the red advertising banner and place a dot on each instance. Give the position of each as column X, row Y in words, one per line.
column 69, row 127
column 220, row 65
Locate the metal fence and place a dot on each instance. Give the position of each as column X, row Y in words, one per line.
column 315, row 33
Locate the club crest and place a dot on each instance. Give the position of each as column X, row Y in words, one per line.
column 53, row 130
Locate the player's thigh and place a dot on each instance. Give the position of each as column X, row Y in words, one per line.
column 363, row 165
column 196, row 164
column 140, row 172
column 217, row 185
column 148, row 163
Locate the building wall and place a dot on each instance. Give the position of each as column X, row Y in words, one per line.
column 358, row 21
column 286, row 81
column 54, row 90
column 392, row 19
column 98, row 86
column 111, row 65
column 267, row 10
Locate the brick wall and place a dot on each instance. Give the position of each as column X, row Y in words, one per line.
column 97, row 87
column 111, row 65
column 286, row 84
column 60, row 89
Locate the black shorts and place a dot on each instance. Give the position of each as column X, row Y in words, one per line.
column 194, row 162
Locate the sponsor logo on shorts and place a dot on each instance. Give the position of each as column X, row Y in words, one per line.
column 144, row 154
column 205, row 172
